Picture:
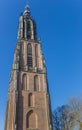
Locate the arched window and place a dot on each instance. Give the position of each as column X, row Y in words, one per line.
column 36, row 83
column 31, row 120
column 30, row 100
column 28, row 30
column 25, row 29
column 24, row 82
column 29, row 55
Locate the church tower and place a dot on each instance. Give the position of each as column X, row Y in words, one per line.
column 28, row 105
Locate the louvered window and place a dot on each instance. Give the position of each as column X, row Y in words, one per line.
column 29, row 55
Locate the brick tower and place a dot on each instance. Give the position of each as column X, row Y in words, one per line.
column 28, row 105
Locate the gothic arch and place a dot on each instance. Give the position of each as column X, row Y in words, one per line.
column 30, row 100
column 36, row 83
column 31, row 120
column 32, row 29
column 29, row 30
column 24, row 82
column 25, row 26
column 29, row 55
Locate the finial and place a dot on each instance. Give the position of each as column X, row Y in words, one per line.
column 27, row 9
column 26, row 2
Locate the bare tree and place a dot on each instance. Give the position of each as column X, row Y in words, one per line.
column 60, row 118
column 75, row 113
column 68, row 117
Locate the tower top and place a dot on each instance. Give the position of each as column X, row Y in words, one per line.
column 26, row 2
column 27, row 10
column 27, row 26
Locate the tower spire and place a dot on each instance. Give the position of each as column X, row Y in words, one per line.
column 27, row 25
column 27, row 9
column 27, row 5
column 26, row 2
column 28, row 105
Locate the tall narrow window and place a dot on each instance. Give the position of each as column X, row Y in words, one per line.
column 36, row 54
column 25, row 28
column 24, row 82
column 36, row 83
column 30, row 100
column 29, row 30
column 29, row 55
column 21, row 56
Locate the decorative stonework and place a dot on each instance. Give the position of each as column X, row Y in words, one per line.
column 28, row 106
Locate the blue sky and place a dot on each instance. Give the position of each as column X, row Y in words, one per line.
column 59, row 25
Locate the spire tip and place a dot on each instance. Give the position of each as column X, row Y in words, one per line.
column 27, row 9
